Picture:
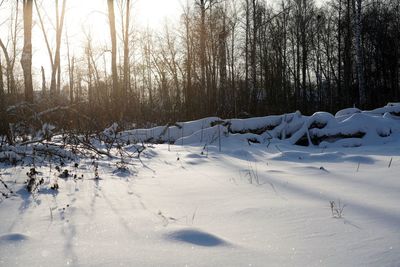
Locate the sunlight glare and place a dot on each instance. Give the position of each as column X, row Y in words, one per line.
column 85, row 18
column 154, row 12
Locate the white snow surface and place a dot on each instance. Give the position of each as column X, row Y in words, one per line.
column 250, row 204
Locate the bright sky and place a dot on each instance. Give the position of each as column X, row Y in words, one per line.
column 91, row 15
column 145, row 12
column 84, row 14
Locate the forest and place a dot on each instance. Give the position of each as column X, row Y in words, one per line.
column 199, row 133
column 222, row 58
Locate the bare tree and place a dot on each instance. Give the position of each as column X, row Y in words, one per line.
column 173, row 65
column 11, row 57
column 188, row 88
column 9, row 69
column 55, row 82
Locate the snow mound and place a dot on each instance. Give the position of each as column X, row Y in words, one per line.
column 13, row 237
column 196, row 237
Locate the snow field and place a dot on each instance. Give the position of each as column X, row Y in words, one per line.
column 247, row 206
column 212, row 192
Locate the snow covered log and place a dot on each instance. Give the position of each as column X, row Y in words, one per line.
column 349, row 127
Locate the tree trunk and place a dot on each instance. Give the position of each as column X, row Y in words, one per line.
column 339, row 96
column 43, row 82
column 10, row 70
column 188, row 98
column 55, row 81
column 114, row 70
column 1, row 85
column 232, row 67
column 222, row 66
column 90, row 72
column 246, row 52
column 347, row 60
column 26, row 59
column 304, row 51
column 298, row 59
column 71, row 81
column 362, row 98
column 253, row 60
column 4, row 126
column 126, row 53
column 71, row 66
column 203, row 86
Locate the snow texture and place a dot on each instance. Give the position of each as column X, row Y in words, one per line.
column 260, row 201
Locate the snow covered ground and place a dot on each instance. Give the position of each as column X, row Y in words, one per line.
column 246, row 206
column 250, row 204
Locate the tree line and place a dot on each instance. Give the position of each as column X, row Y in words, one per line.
column 224, row 57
